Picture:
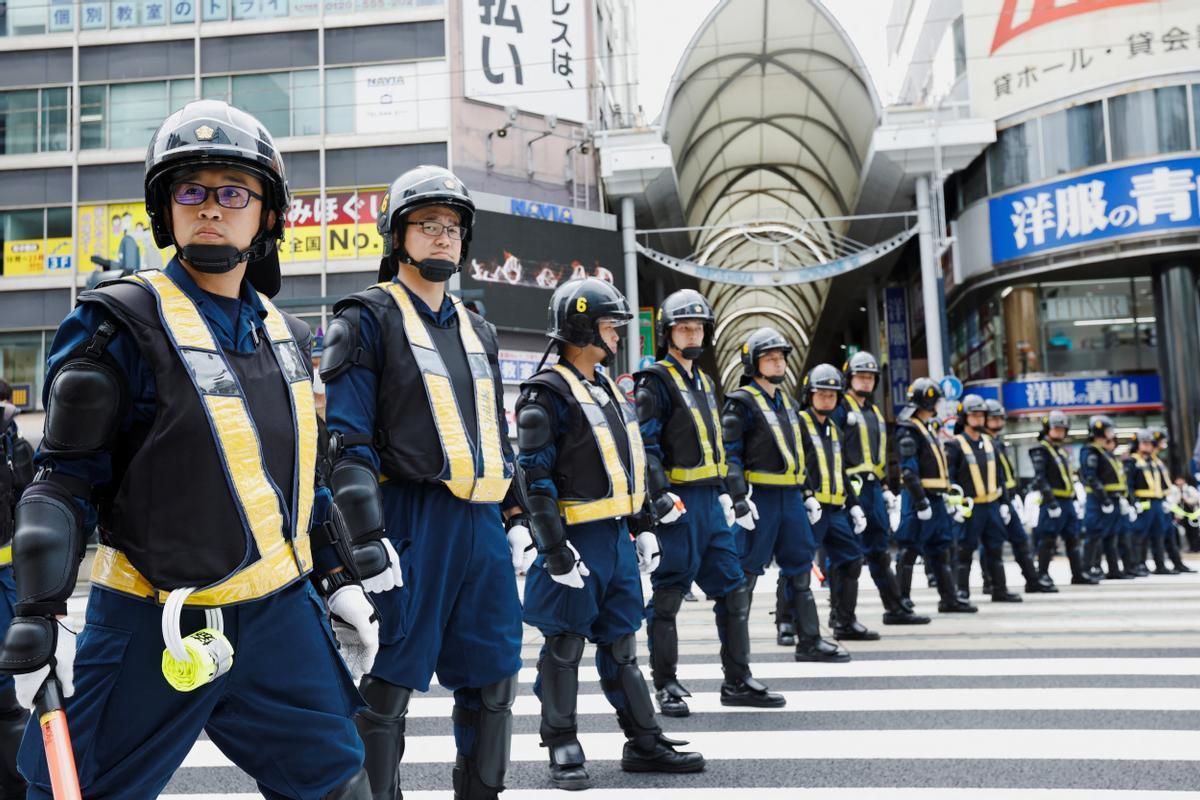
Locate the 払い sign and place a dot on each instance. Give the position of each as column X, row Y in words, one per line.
column 1147, row 197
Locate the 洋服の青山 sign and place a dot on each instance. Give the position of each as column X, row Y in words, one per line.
column 1108, row 394
column 1147, row 197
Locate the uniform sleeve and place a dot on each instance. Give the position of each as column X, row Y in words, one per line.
column 654, row 407
column 838, row 415
column 954, row 460
column 908, row 451
column 537, row 462
column 735, row 444
column 1089, row 472
column 95, row 468
column 1132, row 474
column 350, row 397
column 1041, row 479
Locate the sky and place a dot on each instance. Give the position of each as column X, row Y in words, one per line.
column 666, row 26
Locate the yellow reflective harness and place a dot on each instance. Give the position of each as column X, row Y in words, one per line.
column 712, row 462
column 5, row 555
column 1064, row 470
column 833, row 487
column 1010, row 477
column 621, row 500
column 942, row 481
column 984, row 492
column 793, row 463
column 1163, row 471
column 284, row 555
column 1156, row 487
column 1119, row 486
column 478, row 477
column 876, row 463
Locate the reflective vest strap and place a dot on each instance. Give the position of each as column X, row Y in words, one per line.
column 791, row 475
column 1119, row 486
column 984, row 492
column 876, row 463
column 637, row 451
column 1010, row 477
column 709, row 466
column 1064, row 470
column 618, row 481
column 833, row 491
column 492, row 484
column 942, row 481
column 1154, row 487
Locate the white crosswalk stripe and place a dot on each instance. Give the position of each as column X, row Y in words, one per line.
column 1091, row 693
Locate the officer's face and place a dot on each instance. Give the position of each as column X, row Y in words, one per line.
column 825, row 400
column 862, row 382
column 995, row 424
column 421, row 246
column 773, row 362
column 1058, row 434
column 212, row 223
column 689, row 333
column 975, row 419
column 610, row 333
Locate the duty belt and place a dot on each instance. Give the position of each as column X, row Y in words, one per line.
column 478, row 477
column 712, row 457
column 793, row 463
column 626, row 490
column 285, row 556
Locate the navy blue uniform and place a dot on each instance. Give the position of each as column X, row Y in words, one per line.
column 833, row 531
column 283, row 713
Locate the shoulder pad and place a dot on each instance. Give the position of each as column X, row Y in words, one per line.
column 123, row 297
column 646, row 401
column 534, row 428
column 340, row 350
column 732, row 422
column 300, row 331
column 371, row 296
column 84, row 406
column 742, row 396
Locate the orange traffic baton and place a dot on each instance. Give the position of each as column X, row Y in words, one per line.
column 60, row 757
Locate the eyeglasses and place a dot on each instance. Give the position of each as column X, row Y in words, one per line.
column 196, row 194
column 434, row 229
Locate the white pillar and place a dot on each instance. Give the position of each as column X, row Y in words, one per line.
column 930, row 295
column 628, row 244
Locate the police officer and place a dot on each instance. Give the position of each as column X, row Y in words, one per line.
column 1018, row 539
column 972, row 461
column 865, row 451
column 842, row 522
column 422, row 470
column 179, row 407
column 1171, row 539
column 1107, row 507
column 764, row 448
column 1148, row 489
column 924, row 521
column 582, row 456
column 16, row 472
column 1054, row 482
column 681, row 429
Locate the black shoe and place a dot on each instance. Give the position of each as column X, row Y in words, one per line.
column 821, row 650
column 785, row 634
column 670, row 700
column 1047, row 584
column 1164, row 571
column 1141, row 570
column 956, row 607
column 1117, row 576
column 1006, row 597
column 1037, row 588
column 1181, row 568
column 663, row 757
column 904, row 617
column 571, row 777
column 854, row 632
column 931, row 580
column 689, row 596
column 1084, row 579
column 749, row 692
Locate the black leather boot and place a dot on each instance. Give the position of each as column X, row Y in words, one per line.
column 809, row 644
column 846, row 626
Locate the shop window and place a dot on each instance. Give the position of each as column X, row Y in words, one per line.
column 1147, row 123
column 19, row 122
column 22, row 360
column 1098, row 326
column 267, row 95
column 1073, row 139
column 1013, row 159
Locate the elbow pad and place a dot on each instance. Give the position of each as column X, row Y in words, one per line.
column 355, row 490
column 545, row 523
column 656, row 476
column 83, row 407
column 47, row 548
column 735, row 482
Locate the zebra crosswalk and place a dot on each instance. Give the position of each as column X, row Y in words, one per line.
column 1091, row 693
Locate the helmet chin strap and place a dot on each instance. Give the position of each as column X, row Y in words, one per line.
column 776, row 379
column 217, row 259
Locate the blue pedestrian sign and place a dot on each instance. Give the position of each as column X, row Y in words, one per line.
column 646, row 362
column 952, row 387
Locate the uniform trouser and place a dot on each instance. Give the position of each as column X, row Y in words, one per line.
column 1101, row 532
column 985, row 527
column 781, row 532
column 458, row 614
column 12, row 715
column 283, row 713
column 607, row 609
column 699, row 548
column 930, row 539
column 875, row 537
column 1018, row 539
column 1048, row 530
column 1155, row 527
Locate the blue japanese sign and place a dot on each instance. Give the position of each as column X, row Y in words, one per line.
column 1151, row 196
column 1077, row 395
column 899, row 358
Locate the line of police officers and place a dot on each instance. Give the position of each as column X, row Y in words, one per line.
column 180, row 423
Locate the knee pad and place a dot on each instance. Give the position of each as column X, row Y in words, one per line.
column 624, row 649
column 384, row 700
column 802, row 582
column 667, row 603
column 737, row 602
column 565, row 648
column 499, row 696
column 357, row 788
column 908, row 556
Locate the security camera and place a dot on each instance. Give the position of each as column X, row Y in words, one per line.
column 552, row 121
column 511, row 111
column 502, row 132
column 584, row 149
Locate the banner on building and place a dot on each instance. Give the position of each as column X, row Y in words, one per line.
column 899, row 357
column 1107, row 394
column 401, row 97
column 1022, row 53
column 531, row 54
column 117, row 236
column 1143, row 198
column 350, row 231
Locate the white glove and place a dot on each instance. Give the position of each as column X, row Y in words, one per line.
column 574, row 578
column 1005, row 514
column 926, row 513
column 392, row 576
column 1127, row 510
column 1055, row 511
column 859, row 519
column 746, row 521
column 1079, row 509
column 960, row 515
column 1107, row 507
column 851, row 419
column 521, row 547
column 727, row 508
column 30, row 683
column 813, row 507
column 890, row 500
column 356, row 628
column 1018, row 507
column 677, row 510
column 648, row 553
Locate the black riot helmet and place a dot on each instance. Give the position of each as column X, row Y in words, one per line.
column 578, row 306
column 1055, row 419
column 1099, row 427
column 1160, row 435
column 680, row 306
column 207, row 134
column 924, row 394
column 971, row 404
column 996, row 409
column 822, row 376
column 758, row 344
column 419, row 187
column 862, row 361
column 1145, row 436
